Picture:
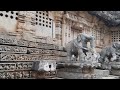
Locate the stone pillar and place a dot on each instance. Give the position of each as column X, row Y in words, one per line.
column 63, row 32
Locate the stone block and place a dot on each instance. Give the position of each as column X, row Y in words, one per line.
column 101, row 72
column 45, row 65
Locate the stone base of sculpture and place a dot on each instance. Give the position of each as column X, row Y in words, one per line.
column 115, row 68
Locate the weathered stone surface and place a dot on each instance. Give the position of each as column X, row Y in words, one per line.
column 7, row 75
column 41, row 39
column 29, row 36
column 49, row 52
column 61, row 59
column 101, row 72
column 73, row 75
column 60, row 48
column 12, row 49
column 22, row 43
column 20, row 57
column 32, row 44
column 27, row 74
column 47, row 46
column 35, row 51
column 45, row 65
column 15, row 75
column 12, row 40
column 24, row 65
column 7, row 67
column 111, row 77
column 4, row 39
column 115, row 65
column 115, row 72
column 43, row 74
column 61, row 53
column 76, row 70
column 106, row 66
column 46, row 57
column 42, row 45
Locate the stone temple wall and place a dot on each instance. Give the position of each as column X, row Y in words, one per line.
column 28, row 36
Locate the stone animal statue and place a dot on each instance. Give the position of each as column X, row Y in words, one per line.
column 78, row 46
column 109, row 54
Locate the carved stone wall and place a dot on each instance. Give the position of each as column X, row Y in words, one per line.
column 28, row 36
column 17, row 55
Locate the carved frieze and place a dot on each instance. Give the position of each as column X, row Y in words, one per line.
column 12, row 40
column 12, row 49
column 26, row 57
column 20, row 57
column 15, row 75
column 15, row 66
column 35, row 51
column 24, row 65
column 46, row 57
column 47, row 46
column 7, row 67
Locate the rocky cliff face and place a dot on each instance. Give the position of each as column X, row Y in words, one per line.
column 111, row 18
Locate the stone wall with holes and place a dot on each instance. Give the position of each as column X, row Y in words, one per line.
column 32, row 24
column 25, row 37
